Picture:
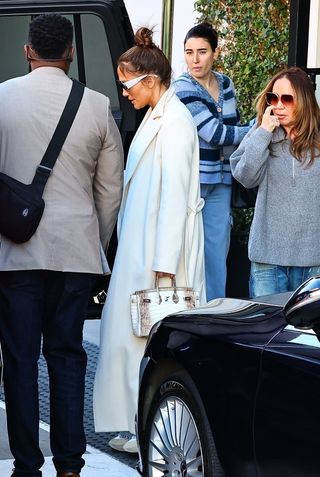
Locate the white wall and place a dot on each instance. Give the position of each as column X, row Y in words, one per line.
column 314, row 35
column 149, row 13
column 314, row 41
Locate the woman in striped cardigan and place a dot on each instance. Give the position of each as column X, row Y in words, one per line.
column 210, row 97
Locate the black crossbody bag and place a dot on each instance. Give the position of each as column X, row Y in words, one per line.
column 22, row 205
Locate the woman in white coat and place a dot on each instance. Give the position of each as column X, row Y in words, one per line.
column 160, row 229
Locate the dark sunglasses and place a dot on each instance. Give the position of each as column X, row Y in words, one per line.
column 273, row 99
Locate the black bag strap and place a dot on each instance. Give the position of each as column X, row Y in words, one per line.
column 59, row 136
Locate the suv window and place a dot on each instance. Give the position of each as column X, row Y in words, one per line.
column 13, row 35
column 89, row 29
column 97, row 58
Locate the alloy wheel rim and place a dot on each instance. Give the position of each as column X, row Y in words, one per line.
column 175, row 447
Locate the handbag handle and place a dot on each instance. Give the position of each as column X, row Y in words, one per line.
column 175, row 297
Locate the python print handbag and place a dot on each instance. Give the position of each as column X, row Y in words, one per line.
column 151, row 305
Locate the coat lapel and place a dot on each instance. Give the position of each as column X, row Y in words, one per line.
column 147, row 131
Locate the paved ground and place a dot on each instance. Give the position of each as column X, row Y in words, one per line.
column 101, row 460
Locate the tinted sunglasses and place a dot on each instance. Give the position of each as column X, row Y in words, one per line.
column 273, row 99
column 126, row 85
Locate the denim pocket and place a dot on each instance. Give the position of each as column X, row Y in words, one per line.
column 264, row 279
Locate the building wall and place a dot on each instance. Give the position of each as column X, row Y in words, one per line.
column 149, row 13
column 314, row 41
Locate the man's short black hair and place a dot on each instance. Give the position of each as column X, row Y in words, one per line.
column 50, row 35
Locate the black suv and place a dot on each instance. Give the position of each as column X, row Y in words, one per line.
column 102, row 32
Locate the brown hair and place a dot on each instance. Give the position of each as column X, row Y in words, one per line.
column 146, row 58
column 306, row 113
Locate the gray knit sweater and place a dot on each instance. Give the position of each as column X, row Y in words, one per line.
column 286, row 225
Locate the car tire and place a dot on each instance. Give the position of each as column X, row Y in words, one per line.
column 178, row 439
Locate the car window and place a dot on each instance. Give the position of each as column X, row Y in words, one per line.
column 303, row 336
column 13, row 34
column 97, row 58
column 92, row 54
column 300, row 330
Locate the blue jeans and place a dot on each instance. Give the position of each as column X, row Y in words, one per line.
column 268, row 279
column 217, row 225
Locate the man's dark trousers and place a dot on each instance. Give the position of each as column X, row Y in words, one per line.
column 50, row 304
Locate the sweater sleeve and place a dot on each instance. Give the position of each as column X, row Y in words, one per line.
column 249, row 162
column 210, row 127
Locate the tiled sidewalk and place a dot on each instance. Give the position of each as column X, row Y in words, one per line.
column 101, row 460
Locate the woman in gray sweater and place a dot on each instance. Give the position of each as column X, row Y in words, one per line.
column 281, row 156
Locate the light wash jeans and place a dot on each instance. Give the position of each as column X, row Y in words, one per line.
column 268, row 279
column 217, row 225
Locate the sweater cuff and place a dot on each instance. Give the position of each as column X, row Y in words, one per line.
column 263, row 135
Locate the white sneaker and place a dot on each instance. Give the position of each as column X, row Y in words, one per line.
column 131, row 445
column 118, row 442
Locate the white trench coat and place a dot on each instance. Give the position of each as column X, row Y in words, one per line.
column 159, row 229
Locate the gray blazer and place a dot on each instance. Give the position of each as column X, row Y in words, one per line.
column 83, row 194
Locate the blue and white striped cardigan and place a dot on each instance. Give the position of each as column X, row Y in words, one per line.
column 217, row 123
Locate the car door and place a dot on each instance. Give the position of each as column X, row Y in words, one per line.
column 287, row 412
column 102, row 32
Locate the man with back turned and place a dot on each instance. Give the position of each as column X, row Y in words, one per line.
column 45, row 283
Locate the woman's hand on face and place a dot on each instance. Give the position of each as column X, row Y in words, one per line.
column 164, row 275
column 269, row 121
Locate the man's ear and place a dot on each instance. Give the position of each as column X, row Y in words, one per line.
column 26, row 51
column 71, row 54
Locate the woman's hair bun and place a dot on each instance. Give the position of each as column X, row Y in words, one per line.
column 206, row 25
column 143, row 38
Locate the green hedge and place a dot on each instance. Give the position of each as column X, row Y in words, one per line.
column 253, row 41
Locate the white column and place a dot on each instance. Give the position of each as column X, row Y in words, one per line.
column 185, row 18
column 314, row 35
column 313, row 60
column 149, row 13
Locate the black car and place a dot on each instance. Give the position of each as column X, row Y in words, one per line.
column 232, row 389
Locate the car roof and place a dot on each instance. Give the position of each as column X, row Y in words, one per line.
column 5, row 3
